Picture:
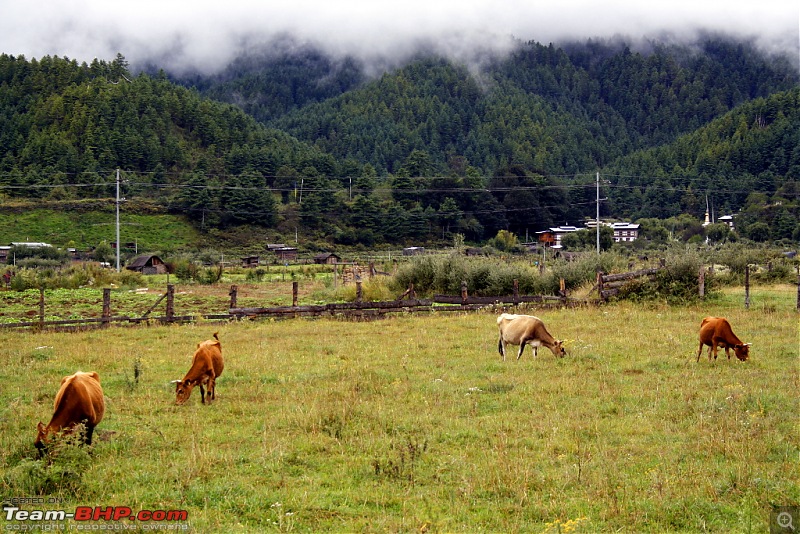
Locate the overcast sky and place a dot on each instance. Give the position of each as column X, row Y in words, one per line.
column 206, row 35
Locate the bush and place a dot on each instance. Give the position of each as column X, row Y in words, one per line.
column 676, row 283
column 256, row 275
column 487, row 277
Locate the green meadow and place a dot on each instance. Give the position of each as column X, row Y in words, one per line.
column 414, row 424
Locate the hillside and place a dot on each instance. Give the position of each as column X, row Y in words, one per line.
column 425, row 151
column 562, row 110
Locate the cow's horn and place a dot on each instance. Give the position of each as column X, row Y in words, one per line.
column 174, row 381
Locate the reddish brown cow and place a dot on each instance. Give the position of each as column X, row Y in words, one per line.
column 207, row 366
column 716, row 332
column 79, row 400
column 526, row 329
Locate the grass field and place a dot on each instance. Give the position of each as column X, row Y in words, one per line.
column 414, row 424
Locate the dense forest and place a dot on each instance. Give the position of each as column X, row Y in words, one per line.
column 297, row 138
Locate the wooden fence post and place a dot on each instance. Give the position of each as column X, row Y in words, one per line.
column 464, row 295
column 41, row 307
column 413, row 294
column 562, row 289
column 516, row 290
column 600, row 284
column 798, row 288
column 294, row 294
column 747, row 287
column 170, row 302
column 701, row 282
column 106, row 305
column 233, row 293
column 359, row 293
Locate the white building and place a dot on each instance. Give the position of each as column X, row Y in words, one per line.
column 625, row 232
column 727, row 219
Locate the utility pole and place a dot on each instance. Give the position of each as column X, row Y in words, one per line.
column 597, row 228
column 118, row 220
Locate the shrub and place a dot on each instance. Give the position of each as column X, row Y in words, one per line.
column 676, row 283
column 256, row 275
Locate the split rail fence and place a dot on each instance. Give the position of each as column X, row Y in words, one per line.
column 406, row 303
column 607, row 286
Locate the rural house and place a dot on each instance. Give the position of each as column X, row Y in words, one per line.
column 625, row 232
column 282, row 252
column 147, row 264
column 327, row 258
column 552, row 236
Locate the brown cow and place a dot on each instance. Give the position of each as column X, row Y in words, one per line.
column 526, row 329
column 79, row 400
column 716, row 332
column 207, row 366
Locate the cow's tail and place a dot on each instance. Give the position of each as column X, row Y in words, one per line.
column 500, row 346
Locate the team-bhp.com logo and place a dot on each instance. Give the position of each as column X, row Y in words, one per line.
column 97, row 513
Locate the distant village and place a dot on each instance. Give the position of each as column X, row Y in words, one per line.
column 549, row 238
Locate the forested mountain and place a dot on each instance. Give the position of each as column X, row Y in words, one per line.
column 562, row 110
column 269, row 83
column 748, row 158
column 419, row 153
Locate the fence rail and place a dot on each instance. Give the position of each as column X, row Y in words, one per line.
column 406, row 303
column 607, row 286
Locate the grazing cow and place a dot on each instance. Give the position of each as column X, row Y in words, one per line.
column 79, row 400
column 716, row 332
column 526, row 329
column 207, row 366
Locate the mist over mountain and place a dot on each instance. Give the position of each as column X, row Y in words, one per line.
column 207, row 36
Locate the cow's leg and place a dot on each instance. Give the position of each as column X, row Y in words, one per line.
column 501, row 347
column 212, row 389
column 202, row 394
column 521, row 349
column 89, row 432
column 699, row 351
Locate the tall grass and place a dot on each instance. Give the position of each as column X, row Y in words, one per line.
column 413, row 423
column 488, row 277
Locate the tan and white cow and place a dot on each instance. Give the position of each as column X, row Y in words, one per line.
column 526, row 330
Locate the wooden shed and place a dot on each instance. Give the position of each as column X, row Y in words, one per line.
column 250, row 261
column 147, row 264
column 285, row 253
column 327, row 258
column 413, row 251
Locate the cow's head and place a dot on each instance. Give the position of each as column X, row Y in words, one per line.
column 41, row 437
column 558, row 349
column 183, row 388
column 742, row 351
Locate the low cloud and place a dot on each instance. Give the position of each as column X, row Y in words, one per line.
column 206, row 35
